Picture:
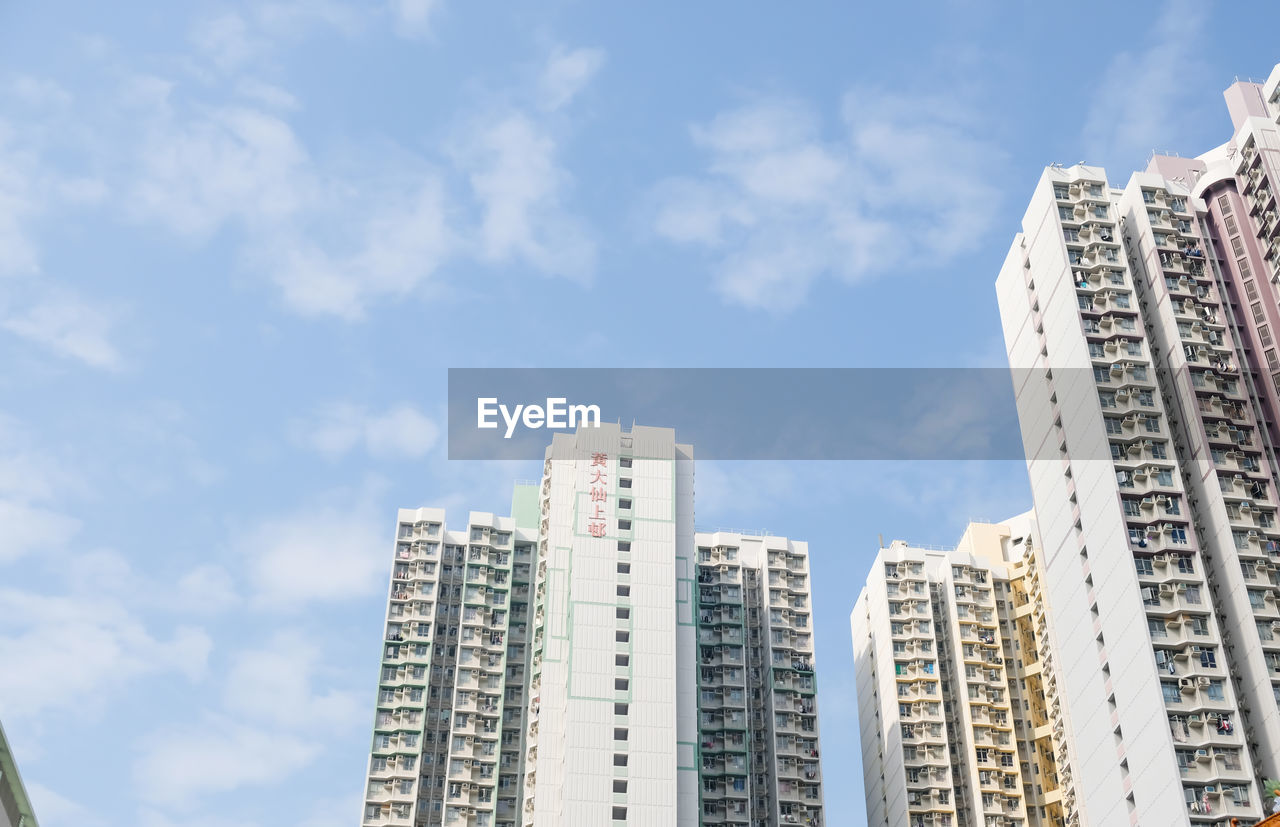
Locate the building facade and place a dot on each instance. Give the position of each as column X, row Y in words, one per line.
column 552, row 667
column 957, row 686
column 15, row 806
column 757, row 704
column 1139, row 325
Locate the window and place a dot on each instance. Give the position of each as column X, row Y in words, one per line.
column 1143, row 565
column 1215, row 692
column 1170, row 691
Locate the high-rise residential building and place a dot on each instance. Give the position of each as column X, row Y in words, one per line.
column 758, row 713
column 453, row 687
column 15, row 807
column 957, row 686
column 1139, row 323
column 615, row 740
column 553, row 667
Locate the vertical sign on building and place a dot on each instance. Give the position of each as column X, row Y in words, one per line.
column 599, row 494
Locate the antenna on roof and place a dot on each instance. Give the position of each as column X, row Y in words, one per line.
column 880, row 537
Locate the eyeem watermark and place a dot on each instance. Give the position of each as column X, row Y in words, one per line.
column 557, row 414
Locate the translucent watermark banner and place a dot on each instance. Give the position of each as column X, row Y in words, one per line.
column 1112, row 412
column 743, row 413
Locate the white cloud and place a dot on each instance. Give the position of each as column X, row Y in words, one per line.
column 182, row 762
column 403, row 241
column 196, row 172
column 28, row 528
column 1135, row 108
column 30, row 482
column 39, row 91
column 226, row 39
column 59, row 811
column 111, row 647
column 321, row 554
column 273, row 685
column 206, row 588
column 69, row 326
column 276, row 712
column 566, row 73
column 780, row 205
column 412, row 18
column 400, row 432
column 18, row 205
column 217, row 151
column 515, row 176
column 231, row 40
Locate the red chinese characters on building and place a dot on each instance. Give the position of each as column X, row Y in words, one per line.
column 599, row 495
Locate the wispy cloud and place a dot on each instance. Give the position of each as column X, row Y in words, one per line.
column 49, row 314
column 200, row 168
column 328, row 551
column 273, row 684
column 111, row 647
column 277, row 709
column 512, row 165
column 68, row 325
column 1136, row 107
column 566, row 73
column 337, row 236
column 59, row 811
column 400, row 432
column 781, row 204
column 32, row 484
column 413, row 18
column 182, row 762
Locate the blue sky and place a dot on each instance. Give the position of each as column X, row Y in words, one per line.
column 241, row 243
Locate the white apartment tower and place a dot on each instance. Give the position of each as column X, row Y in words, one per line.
column 1140, row 325
column 957, row 686
column 545, row 668
column 615, row 736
